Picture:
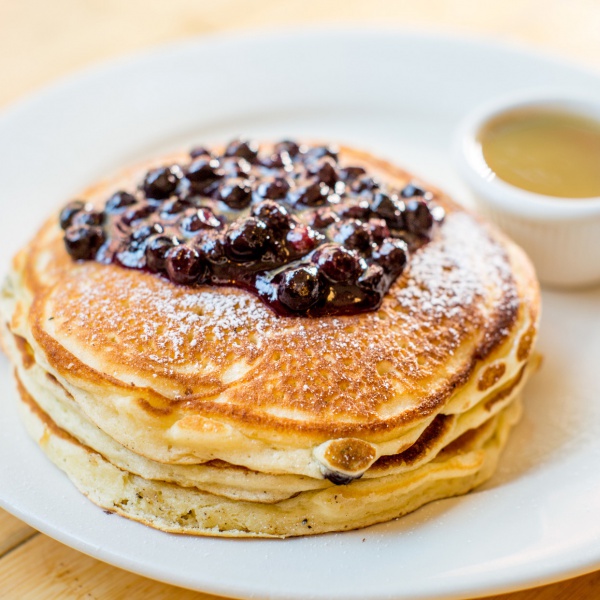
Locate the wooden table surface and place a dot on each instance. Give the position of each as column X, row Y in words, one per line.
column 40, row 41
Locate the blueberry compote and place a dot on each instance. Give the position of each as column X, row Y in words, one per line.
column 308, row 235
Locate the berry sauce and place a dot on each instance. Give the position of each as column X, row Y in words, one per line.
column 307, row 235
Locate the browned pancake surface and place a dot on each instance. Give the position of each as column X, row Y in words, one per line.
column 218, row 352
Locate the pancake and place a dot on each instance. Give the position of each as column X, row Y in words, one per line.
column 206, row 397
column 236, row 482
column 463, row 465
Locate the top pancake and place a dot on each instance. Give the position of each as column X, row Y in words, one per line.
column 187, row 374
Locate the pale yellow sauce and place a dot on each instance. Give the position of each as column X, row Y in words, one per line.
column 545, row 151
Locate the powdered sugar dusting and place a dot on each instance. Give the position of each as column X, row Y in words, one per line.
column 169, row 325
column 455, row 272
column 346, row 367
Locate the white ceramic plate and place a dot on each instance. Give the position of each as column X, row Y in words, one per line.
column 399, row 95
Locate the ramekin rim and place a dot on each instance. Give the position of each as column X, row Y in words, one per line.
column 503, row 195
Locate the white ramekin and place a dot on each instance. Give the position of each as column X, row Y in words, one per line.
column 561, row 235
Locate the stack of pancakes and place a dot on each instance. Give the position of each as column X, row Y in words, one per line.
column 198, row 410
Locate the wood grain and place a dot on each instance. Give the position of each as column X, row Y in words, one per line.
column 43, row 569
column 41, row 41
column 12, row 533
column 581, row 588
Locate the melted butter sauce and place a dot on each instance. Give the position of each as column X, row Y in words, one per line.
column 546, row 151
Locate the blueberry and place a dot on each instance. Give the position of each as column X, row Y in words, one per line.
column 197, row 151
column 247, row 239
column 351, row 173
column 161, row 183
column 213, row 248
column 373, row 279
column 353, row 234
column 277, row 160
column 184, row 264
column 131, row 255
column 299, row 288
column 189, row 189
column 137, row 213
column 88, row 217
column 236, row 195
column 156, row 250
column 273, row 190
column 354, row 209
column 392, row 255
column 236, row 167
column 324, row 171
column 202, row 218
column 378, row 229
column 289, row 146
column 174, row 206
column 83, row 241
column 276, row 216
column 322, row 218
column 204, row 169
column 418, row 218
column 214, row 206
column 411, row 190
column 313, row 194
column 69, row 211
column 338, row 263
column 322, row 151
column 143, row 232
column 302, row 239
column 118, row 201
column 247, row 149
column 363, row 184
column 389, row 208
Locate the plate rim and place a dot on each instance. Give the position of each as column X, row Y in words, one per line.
column 269, row 34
